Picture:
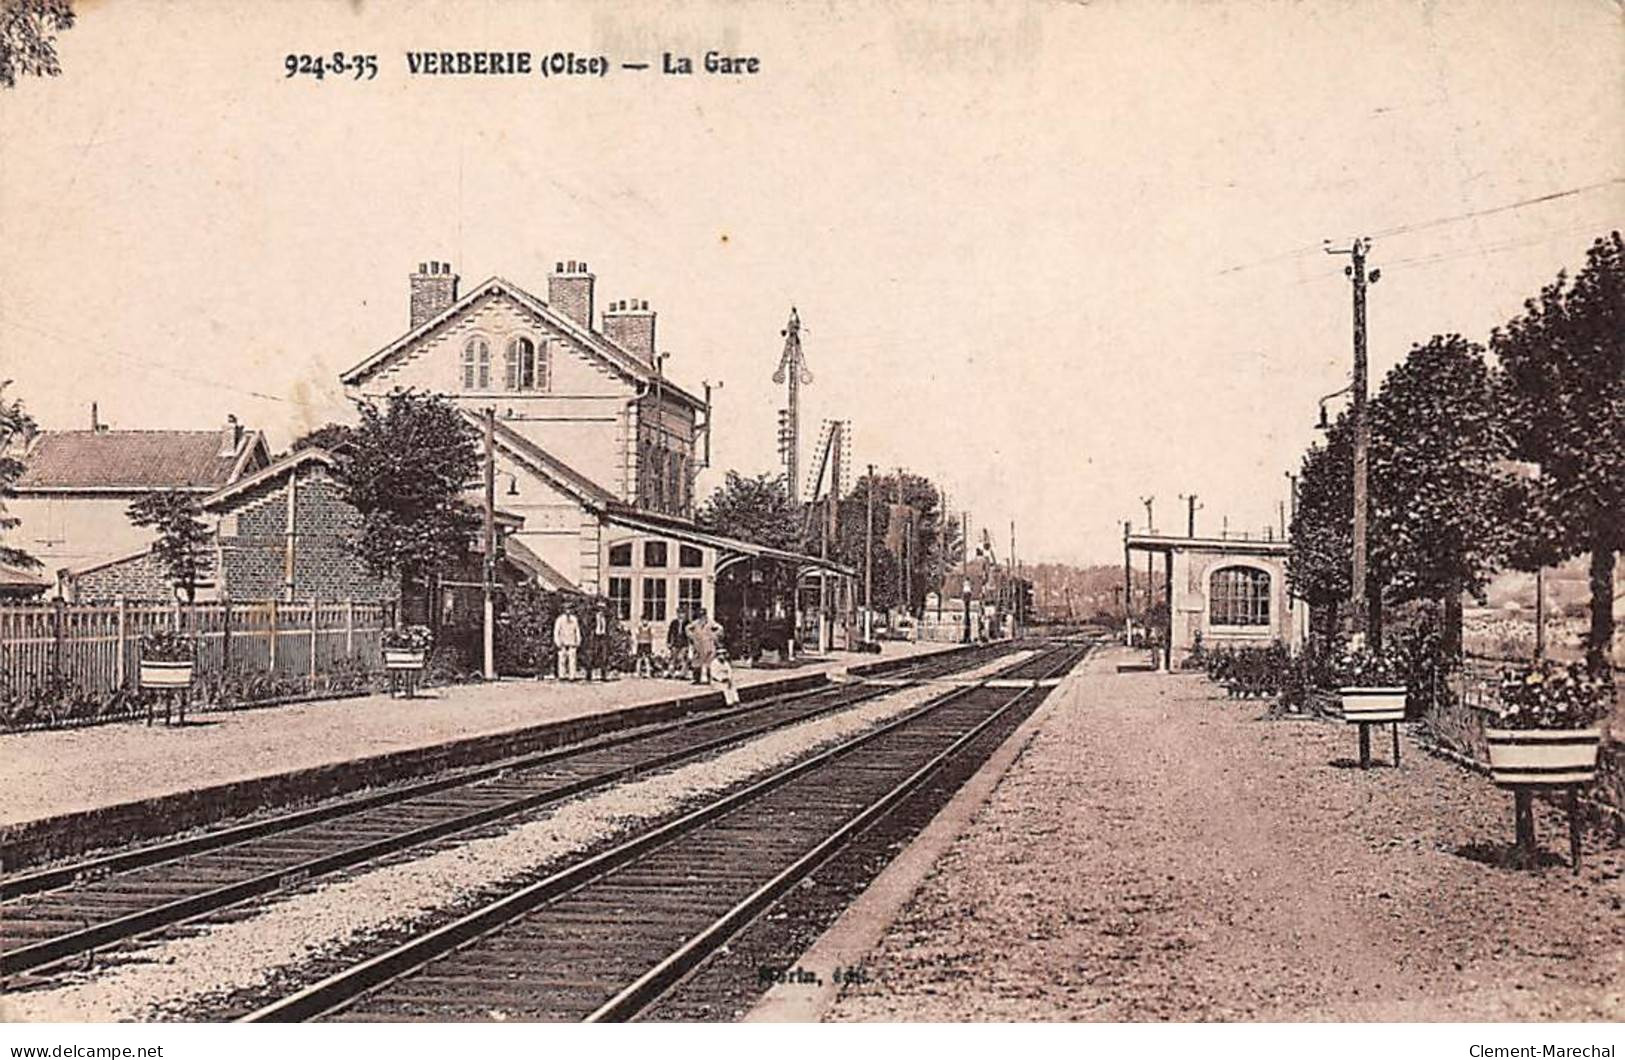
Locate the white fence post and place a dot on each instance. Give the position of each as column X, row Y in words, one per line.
column 273, row 624
column 121, row 669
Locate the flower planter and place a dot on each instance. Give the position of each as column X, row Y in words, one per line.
column 163, row 673
column 1369, row 704
column 1543, row 757
column 404, row 659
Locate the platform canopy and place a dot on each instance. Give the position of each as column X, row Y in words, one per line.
column 730, row 550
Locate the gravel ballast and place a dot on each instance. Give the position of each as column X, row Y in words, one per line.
column 1162, row 853
column 175, row 974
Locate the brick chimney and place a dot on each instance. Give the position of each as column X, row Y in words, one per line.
column 569, row 291
column 630, row 324
column 231, row 438
column 434, row 290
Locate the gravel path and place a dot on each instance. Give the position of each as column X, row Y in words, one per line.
column 174, row 975
column 1160, row 853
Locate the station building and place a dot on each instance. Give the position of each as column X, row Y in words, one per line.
column 596, row 449
column 1225, row 591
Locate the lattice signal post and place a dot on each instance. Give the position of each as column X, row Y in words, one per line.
column 793, row 373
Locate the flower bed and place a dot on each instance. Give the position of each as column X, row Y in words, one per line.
column 1249, row 672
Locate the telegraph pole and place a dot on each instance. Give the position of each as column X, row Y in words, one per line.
column 1190, row 516
column 868, row 556
column 1015, row 586
column 1150, row 557
column 1128, row 586
column 942, row 553
column 964, row 519
column 1362, row 437
column 489, row 572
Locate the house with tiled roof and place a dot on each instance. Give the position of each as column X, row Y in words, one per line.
column 76, row 486
column 282, row 532
column 19, row 584
column 596, row 447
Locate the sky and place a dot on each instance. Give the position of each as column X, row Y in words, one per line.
column 1057, row 257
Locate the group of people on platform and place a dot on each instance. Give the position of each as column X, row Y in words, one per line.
column 584, row 643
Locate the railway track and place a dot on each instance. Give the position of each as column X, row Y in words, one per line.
column 607, row 936
column 58, row 914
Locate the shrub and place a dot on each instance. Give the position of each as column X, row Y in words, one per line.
column 1250, row 671
column 524, row 633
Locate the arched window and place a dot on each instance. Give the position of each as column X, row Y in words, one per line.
column 477, row 364
column 1239, row 596
column 519, row 365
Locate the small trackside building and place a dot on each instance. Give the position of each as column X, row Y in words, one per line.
column 1225, row 591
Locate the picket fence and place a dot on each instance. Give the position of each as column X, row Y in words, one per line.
column 94, row 650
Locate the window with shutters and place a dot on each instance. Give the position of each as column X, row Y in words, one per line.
column 477, row 363
column 519, row 364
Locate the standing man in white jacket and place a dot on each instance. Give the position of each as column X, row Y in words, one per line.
column 566, row 642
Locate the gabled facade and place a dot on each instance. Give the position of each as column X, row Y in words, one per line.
column 554, row 379
column 279, row 534
column 594, row 448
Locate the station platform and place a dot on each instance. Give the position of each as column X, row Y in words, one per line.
column 73, row 790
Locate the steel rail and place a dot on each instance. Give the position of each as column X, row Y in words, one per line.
column 654, row 983
column 60, row 947
column 341, row 988
column 100, row 866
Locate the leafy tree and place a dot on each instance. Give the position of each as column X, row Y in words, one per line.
column 14, row 423
column 1322, row 531
column 28, row 30
column 917, row 531
column 405, row 469
column 1562, row 394
column 755, row 509
column 329, row 436
column 184, row 541
column 1435, row 446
